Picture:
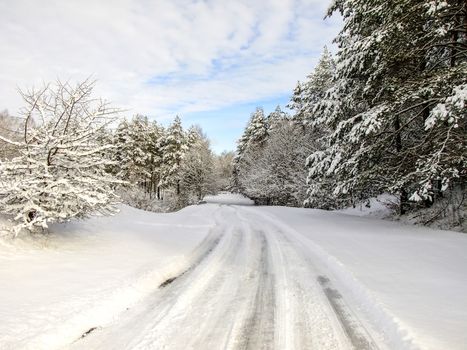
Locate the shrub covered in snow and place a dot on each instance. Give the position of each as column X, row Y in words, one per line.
column 60, row 171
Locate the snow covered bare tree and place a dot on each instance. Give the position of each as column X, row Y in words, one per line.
column 60, row 172
column 197, row 169
column 224, row 170
column 277, row 175
column 9, row 130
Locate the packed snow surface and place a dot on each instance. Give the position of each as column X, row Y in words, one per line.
column 84, row 274
column 227, row 274
column 377, row 207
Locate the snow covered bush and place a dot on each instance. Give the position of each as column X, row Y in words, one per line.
column 269, row 166
column 138, row 197
column 60, row 172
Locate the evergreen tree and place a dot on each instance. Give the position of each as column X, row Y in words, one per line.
column 307, row 94
column 122, row 152
column 257, row 129
column 276, row 118
column 156, row 135
column 297, row 103
column 174, row 148
column 251, row 144
column 399, row 64
column 138, row 153
column 317, row 85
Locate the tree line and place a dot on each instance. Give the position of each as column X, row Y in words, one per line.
column 386, row 114
column 68, row 156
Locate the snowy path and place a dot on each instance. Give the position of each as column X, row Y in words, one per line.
column 251, row 286
column 228, row 275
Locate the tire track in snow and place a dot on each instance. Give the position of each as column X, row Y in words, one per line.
column 197, row 309
column 358, row 336
column 160, row 300
column 187, row 308
column 250, row 288
column 303, row 319
column 258, row 328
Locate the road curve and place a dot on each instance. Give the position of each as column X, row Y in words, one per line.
column 250, row 287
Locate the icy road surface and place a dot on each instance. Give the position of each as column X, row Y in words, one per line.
column 250, row 286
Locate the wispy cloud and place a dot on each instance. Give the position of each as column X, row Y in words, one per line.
column 163, row 57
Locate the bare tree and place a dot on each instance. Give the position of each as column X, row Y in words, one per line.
column 9, row 130
column 60, row 172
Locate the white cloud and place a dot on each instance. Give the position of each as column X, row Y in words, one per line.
column 162, row 57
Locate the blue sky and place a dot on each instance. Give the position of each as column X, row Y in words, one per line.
column 225, row 125
column 209, row 61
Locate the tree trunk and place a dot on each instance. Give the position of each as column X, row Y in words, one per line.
column 404, row 198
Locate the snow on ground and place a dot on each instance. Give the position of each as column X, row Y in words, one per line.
column 410, row 281
column 247, row 277
column 379, row 207
column 229, row 198
column 444, row 214
column 85, row 273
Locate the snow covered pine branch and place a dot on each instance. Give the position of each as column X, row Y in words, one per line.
column 59, row 171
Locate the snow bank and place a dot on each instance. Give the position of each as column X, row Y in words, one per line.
column 379, row 207
column 229, row 199
column 410, row 281
column 83, row 274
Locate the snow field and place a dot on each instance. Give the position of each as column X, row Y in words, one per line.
column 407, row 283
column 86, row 273
column 229, row 199
column 236, row 276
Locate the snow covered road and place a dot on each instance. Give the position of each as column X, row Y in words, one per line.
column 251, row 287
column 228, row 275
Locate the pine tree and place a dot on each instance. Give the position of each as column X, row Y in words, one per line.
column 317, row 85
column 156, row 136
column 257, row 128
column 174, row 149
column 122, row 152
column 276, row 118
column 251, row 144
column 297, row 103
column 312, row 90
column 398, row 64
column 314, row 135
column 138, row 153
